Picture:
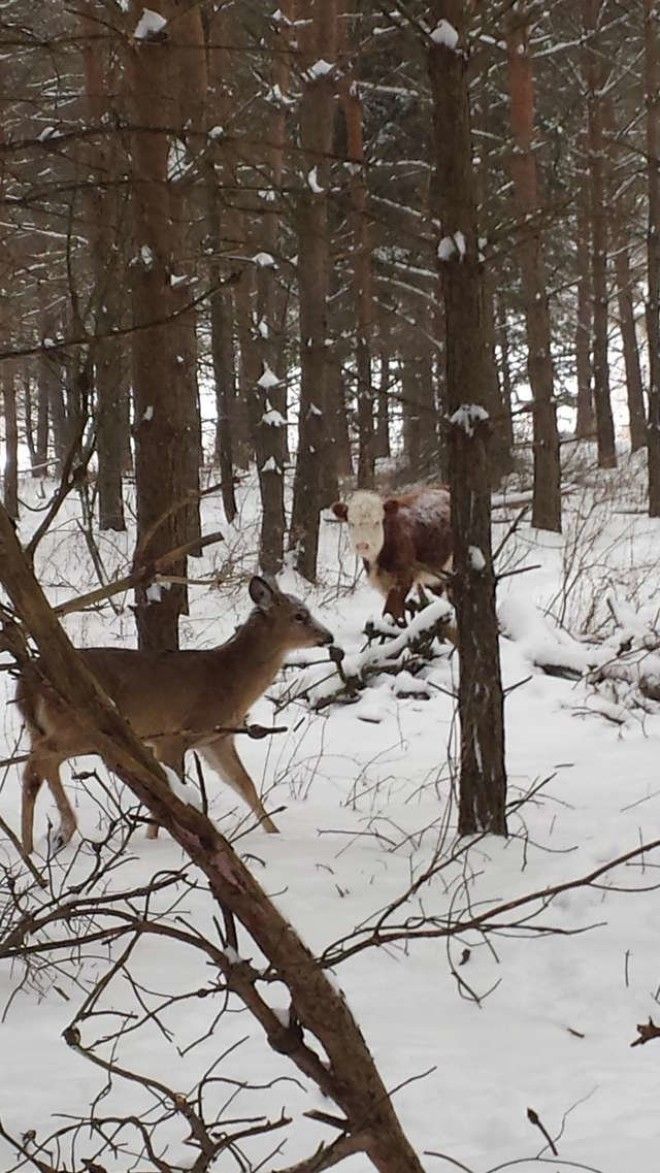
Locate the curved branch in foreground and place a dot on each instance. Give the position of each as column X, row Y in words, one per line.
column 349, row 1075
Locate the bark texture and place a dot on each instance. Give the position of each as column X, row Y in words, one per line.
column 482, row 794
column 546, row 502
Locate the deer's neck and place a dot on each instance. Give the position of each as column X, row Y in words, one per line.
column 251, row 659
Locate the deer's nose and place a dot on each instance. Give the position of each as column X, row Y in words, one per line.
column 362, row 547
column 326, row 637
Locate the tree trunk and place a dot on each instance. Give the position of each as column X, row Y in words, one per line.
column 161, row 485
column 37, row 431
column 188, row 88
column 624, row 290
column 634, row 391
column 351, row 107
column 595, row 78
column 652, row 96
column 104, row 217
column 504, row 367
column 10, row 476
column 382, row 438
column 270, row 389
column 546, row 503
column 317, row 104
column 480, row 703
column 585, row 423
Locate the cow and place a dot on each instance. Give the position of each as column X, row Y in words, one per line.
column 403, row 541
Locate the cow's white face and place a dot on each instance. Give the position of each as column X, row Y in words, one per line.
column 365, row 524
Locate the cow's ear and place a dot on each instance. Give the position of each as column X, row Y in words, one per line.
column 390, row 506
column 340, row 510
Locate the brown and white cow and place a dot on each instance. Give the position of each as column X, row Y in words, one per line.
column 403, row 541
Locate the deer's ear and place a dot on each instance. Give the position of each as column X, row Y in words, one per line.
column 340, row 510
column 261, row 593
column 390, row 506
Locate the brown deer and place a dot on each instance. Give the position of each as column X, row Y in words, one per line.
column 174, row 701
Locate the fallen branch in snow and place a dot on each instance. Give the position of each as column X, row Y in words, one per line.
column 534, row 1119
column 402, row 652
column 645, row 1032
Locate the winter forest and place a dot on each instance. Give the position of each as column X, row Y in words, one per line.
column 329, row 596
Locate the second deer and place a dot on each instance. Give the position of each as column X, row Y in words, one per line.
column 174, row 701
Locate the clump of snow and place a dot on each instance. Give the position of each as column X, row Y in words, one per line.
column 320, row 68
column 150, row 25
column 148, row 413
column 467, row 416
column 273, row 418
column 450, row 245
column 476, row 558
column 445, row 34
column 268, row 378
column 313, row 181
column 264, row 261
column 270, row 465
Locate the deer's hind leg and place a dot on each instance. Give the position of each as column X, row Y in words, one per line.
column 31, row 784
column 40, row 769
column 222, row 756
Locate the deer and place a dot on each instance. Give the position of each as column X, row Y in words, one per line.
column 174, row 701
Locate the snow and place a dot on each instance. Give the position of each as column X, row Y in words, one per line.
column 148, row 413
column 476, row 558
column 313, row 181
column 467, row 415
column 445, row 34
column 320, row 68
column 450, row 245
column 264, row 261
column 273, row 418
column 150, row 24
column 270, row 465
column 182, row 790
column 268, row 378
column 178, row 160
column 365, row 792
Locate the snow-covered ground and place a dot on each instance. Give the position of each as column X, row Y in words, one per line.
column 471, row 1040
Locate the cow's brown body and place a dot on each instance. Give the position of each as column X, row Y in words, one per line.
column 415, row 542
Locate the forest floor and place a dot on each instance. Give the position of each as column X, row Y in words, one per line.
column 472, row 1030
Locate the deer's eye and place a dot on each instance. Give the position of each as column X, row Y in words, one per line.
column 301, row 617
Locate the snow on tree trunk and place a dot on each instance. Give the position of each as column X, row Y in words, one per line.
column 482, row 771
column 159, row 383
column 317, row 107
